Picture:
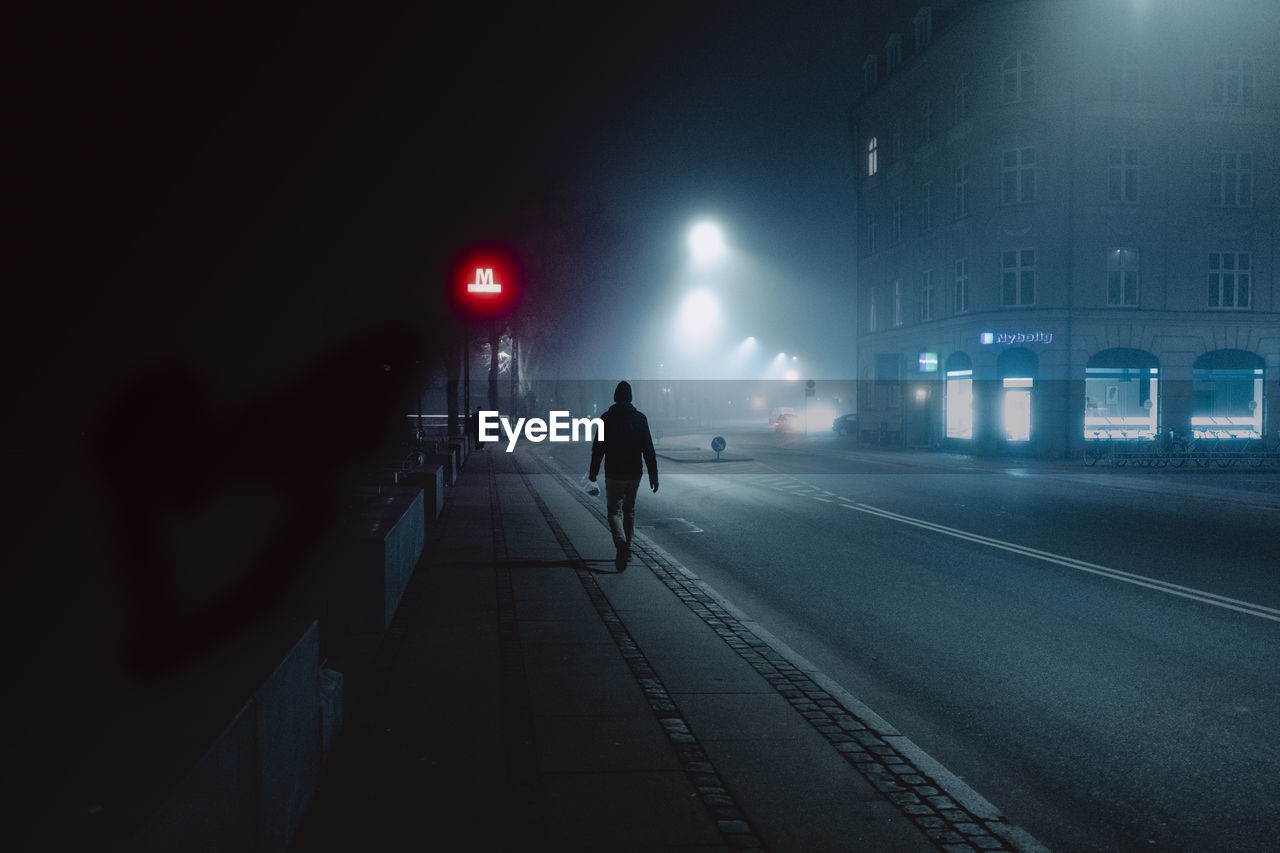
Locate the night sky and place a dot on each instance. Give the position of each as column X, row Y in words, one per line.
column 228, row 213
column 277, row 178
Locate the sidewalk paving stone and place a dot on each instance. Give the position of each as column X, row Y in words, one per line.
column 529, row 697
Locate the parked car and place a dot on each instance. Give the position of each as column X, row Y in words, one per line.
column 845, row 424
column 787, row 423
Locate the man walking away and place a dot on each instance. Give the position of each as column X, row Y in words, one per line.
column 626, row 441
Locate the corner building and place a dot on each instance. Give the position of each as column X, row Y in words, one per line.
column 1067, row 225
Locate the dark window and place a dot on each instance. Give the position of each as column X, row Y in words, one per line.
column 1018, row 277
column 1122, row 278
column 1018, row 78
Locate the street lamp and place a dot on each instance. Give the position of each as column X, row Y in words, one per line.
column 706, row 241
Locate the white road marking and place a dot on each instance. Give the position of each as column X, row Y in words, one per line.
column 1261, row 611
column 949, row 783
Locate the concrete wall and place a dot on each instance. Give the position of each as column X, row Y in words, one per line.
column 251, row 788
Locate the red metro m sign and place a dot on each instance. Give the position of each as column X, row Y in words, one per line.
column 485, row 284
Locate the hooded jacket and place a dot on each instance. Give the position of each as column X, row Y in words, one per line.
column 626, row 442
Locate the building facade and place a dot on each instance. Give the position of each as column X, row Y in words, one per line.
column 1067, row 225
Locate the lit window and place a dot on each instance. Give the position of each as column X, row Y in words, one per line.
column 1121, row 396
column 871, row 312
column 1018, row 176
column 1018, row 78
column 872, row 164
column 1232, row 80
column 1122, row 278
column 1018, row 277
column 959, row 403
column 1122, row 175
column 1227, row 395
column 897, row 302
column 962, row 285
column 1017, row 408
column 1125, row 83
column 1229, row 279
column 1232, row 177
column 926, row 295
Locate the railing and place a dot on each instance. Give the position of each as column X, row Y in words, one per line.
column 1220, row 448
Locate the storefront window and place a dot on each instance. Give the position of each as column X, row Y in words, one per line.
column 1121, row 403
column 1017, row 408
column 1017, row 369
column 1227, row 389
column 960, row 404
column 1121, row 395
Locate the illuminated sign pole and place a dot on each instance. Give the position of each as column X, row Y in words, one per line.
column 485, row 286
column 483, row 283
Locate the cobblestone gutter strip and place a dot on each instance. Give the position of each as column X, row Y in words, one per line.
column 734, row 827
column 526, row 819
column 882, row 758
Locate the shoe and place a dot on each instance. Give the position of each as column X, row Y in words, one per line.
column 621, row 559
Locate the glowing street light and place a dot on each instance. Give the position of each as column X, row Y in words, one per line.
column 699, row 319
column 706, row 241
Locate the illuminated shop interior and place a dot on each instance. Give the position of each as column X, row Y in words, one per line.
column 1227, row 392
column 1018, row 369
column 1122, row 395
column 958, row 396
column 1120, row 402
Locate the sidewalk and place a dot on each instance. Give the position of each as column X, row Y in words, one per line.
column 529, row 697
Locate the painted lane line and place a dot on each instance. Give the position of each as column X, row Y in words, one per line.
column 1074, row 563
column 1259, row 610
column 989, row 816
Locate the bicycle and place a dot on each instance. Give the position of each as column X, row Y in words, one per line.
column 1098, row 448
column 1203, row 449
column 1174, row 450
column 1259, row 450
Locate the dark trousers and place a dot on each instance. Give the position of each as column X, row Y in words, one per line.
column 620, row 500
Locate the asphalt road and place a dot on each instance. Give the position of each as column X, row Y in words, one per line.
column 1097, row 653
